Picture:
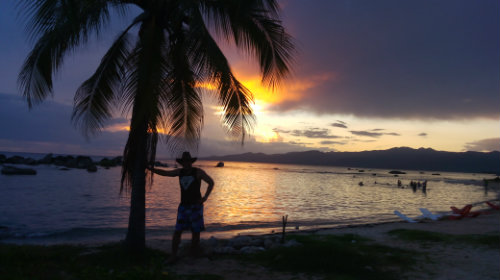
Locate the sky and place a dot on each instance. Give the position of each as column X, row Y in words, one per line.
column 367, row 75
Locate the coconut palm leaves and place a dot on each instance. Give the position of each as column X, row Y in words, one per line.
column 155, row 75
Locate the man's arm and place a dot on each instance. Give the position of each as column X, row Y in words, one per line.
column 169, row 173
column 204, row 176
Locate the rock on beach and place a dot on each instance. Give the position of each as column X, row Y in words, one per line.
column 10, row 170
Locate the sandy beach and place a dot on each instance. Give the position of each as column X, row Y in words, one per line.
column 442, row 261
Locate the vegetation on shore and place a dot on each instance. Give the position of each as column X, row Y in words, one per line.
column 489, row 240
column 347, row 256
column 78, row 262
column 334, row 257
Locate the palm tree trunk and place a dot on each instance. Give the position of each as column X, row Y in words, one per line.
column 136, row 234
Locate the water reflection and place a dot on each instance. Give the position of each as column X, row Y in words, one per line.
column 260, row 194
column 245, row 196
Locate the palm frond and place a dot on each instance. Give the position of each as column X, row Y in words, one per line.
column 212, row 65
column 60, row 27
column 94, row 97
column 255, row 27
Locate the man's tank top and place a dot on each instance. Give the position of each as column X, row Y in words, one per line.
column 190, row 186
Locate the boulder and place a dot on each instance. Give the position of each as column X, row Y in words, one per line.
column 220, row 164
column 10, row 170
column 2, row 158
column 29, row 161
column 105, row 162
column 46, row 159
column 117, row 160
column 15, row 160
column 83, row 162
column 291, row 243
column 161, row 164
column 251, row 249
column 240, row 241
column 396, row 172
column 225, row 250
column 92, row 168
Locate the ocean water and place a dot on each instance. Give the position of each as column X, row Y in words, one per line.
column 75, row 206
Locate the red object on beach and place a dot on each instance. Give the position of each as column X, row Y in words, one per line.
column 493, row 206
column 464, row 212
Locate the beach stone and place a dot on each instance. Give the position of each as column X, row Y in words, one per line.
column 291, row 243
column 212, row 241
column 251, row 249
column 220, row 164
column 225, row 250
column 10, row 170
column 258, row 242
column 240, row 241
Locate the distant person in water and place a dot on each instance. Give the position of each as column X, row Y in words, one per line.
column 190, row 211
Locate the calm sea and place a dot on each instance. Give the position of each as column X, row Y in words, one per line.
column 75, row 206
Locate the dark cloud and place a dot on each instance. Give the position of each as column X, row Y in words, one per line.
column 47, row 128
column 327, row 142
column 209, row 147
column 319, row 133
column 373, row 134
column 399, row 59
column 278, row 130
column 367, row 133
column 484, row 145
column 339, row 124
column 377, row 129
column 423, row 134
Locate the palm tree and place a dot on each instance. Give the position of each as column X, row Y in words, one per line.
column 155, row 74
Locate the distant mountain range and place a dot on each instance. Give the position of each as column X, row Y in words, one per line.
column 395, row 158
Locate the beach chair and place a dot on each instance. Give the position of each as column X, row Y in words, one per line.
column 428, row 214
column 404, row 217
column 462, row 213
column 493, row 206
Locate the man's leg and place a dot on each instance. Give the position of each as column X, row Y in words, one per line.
column 195, row 244
column 176, row 240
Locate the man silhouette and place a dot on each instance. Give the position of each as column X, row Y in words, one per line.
column 190, row 211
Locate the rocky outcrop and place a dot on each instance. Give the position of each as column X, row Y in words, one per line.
column 105, row 162
column 11, row 170
column 46, row 159
column 220, row 164
column 160, row 164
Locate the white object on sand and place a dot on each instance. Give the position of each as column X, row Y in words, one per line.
column 429, row 215
column 404, row 217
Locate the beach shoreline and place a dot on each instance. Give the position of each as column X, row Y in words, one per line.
column 435, row 259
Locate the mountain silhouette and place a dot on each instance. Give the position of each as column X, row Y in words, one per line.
column 395, row 158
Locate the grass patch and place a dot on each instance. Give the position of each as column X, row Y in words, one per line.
column 338, row 257
column 78, row 262
column 488, row 240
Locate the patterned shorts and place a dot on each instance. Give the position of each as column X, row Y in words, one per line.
column 190, row 217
